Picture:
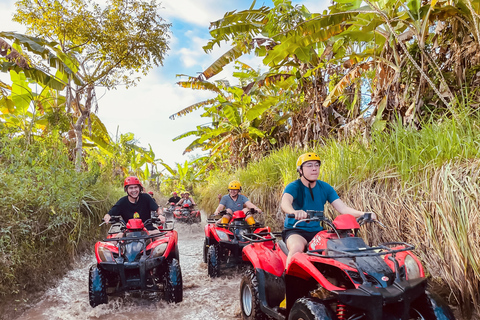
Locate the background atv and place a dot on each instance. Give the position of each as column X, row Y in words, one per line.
column 339, row 277
column 172, row 207
column 187, row 214
column 136, row 262
column 224, row 242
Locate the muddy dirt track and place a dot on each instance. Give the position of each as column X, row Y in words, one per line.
column 203, row 298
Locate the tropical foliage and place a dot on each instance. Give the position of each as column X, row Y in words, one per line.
column 107, row 46
column 356, row 68
column 423, row 185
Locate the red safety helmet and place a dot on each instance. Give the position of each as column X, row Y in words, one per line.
column 150, row 193
column 132, row 181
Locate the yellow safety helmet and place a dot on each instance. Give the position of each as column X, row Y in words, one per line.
column 234, row 185
column 309, row 156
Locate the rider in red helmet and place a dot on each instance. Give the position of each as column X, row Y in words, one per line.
column 135, row 202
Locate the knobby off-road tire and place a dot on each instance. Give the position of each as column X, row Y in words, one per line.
column 430, row 307
column 310, row 309
column 97, row 286
column 213, row 261
column 249, row 297
column 172, row 282
column 205, row 251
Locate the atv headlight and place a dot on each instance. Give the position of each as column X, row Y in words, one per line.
column 222, row 235
column 412, row 268
column 105, row 254
column 159, row 250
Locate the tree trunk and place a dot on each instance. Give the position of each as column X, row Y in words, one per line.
column 84, row 114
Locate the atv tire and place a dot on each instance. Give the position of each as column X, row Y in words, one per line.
column 310, row 309
column 97, row 286
column 205, row 251
column 213, row 261
column 249, row 297
column 172, row 282
column 430, row 307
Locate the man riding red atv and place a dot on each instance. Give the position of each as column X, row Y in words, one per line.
column 139, row 254
column 224, row 241
column 339, row 277
column 137, row 261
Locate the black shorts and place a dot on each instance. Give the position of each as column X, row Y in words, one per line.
column 308, row 235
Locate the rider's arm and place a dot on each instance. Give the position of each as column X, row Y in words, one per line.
column 250, row 205
column 180, row 201
column 341, row 207
column 287, row 207
column 193, row 202
column 219, row 208
column 160, row 215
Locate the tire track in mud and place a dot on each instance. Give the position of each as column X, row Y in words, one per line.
column 203, row 298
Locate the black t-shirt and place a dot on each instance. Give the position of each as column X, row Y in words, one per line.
column 174, row 199
column 144, row 206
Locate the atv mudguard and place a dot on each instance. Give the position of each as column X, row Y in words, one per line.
column 301, row 267
column 269, row 259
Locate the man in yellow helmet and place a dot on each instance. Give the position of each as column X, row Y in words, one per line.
column 234, row 201
column 308, row 193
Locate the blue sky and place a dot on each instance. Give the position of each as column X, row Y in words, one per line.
column 144, row 109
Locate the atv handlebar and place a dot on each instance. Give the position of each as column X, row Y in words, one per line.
column 367, row 217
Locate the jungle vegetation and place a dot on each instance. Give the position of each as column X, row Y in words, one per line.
column 60, row 170
column 385, row 91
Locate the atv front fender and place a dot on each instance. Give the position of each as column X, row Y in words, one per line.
column 271, row 260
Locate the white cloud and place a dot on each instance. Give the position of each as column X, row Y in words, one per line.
column 144, row 111
column 200, row 13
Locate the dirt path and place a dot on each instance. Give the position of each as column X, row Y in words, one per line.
column 203, row 298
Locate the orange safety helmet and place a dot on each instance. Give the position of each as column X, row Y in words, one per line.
column 132, row 181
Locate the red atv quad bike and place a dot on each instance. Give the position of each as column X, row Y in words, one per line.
column 339, row 277
column 172, row 207
column 224, row 242
column 187, row 214
column 136, row 262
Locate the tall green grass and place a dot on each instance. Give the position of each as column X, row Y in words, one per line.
column 423, row 184
column 49, row 211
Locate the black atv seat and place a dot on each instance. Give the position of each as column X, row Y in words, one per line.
column 350, row 244
column 283, row 246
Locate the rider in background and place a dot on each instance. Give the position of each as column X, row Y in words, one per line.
column 135, row 202
column 151, row 195
column 308, row 193
column 175, row 198
column 186, row 199
column 234, row 201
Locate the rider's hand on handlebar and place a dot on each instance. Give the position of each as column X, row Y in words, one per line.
column 162, row 218
column 106, row 218
column 300, row 214
column 370, row 216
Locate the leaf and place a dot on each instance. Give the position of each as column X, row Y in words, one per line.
column 21, row 92
column 345, row 82
column 192, row 108
column 260, row 108
column 221, row 62
column 232, row 115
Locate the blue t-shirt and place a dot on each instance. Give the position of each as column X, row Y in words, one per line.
column 322, row 192
column 229, row 203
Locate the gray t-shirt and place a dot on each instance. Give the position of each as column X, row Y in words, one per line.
column 228, row 202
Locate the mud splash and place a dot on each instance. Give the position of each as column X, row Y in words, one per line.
column 203, row 298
